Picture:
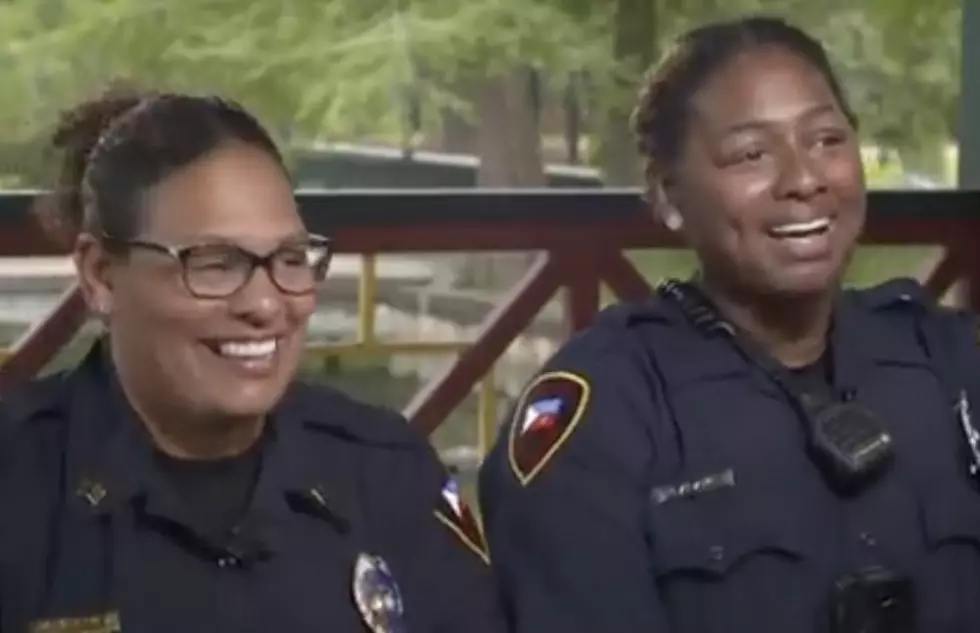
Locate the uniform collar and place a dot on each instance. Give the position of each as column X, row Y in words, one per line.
column 302, row 472
column 110, row 453
column 861, row 338
column 110, row 457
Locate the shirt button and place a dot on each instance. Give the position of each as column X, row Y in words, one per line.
column 868, row 539
column 717, row 553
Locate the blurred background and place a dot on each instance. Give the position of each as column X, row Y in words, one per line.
column 453, row 94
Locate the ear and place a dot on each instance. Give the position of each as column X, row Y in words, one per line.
column 94, row 268
column 664, row 207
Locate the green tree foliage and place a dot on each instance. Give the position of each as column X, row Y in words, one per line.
column 342, row 69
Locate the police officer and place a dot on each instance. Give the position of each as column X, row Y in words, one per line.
column 754, row 449
column 180, row 478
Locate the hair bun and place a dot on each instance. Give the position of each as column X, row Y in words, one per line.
column 61, row 212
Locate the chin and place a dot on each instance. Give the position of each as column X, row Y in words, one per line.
column 247, row 401
column 805, row 281
column 801, row 289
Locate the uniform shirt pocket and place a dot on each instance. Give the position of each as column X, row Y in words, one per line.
column 947, row 576
column 736, row 560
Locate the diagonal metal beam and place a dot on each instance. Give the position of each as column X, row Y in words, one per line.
column 41, row 343
column 434, row 402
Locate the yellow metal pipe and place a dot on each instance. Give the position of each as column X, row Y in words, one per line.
column 486, row 416
column 367, row 289
column 354, row 349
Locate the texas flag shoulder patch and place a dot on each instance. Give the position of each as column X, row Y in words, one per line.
column 453, row 512
column 545, row 417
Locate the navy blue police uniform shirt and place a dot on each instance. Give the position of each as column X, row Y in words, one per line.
column 343, row 504
column 651, row 479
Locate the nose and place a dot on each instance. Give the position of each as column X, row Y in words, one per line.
column 799, row 177
column 259, row 301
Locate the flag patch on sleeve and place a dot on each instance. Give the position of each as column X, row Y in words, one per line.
column 453, row 512
column 545, row 417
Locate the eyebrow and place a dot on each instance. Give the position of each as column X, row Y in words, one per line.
column 213, row 238
column 759, row 124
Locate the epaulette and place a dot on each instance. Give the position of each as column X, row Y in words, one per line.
column 626, row 314
column 32, row 399
column 903, row 292
column 324, row 408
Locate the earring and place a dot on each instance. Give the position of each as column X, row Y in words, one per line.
column 674, row 221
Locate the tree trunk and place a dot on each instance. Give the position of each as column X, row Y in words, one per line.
column 572, row 109
column 458, row 136
column 508, row 138
column 508, row 142
column 635, row 47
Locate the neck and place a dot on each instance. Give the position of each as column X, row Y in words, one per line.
column 181, row 433
column 202, row 439
column 793, row 330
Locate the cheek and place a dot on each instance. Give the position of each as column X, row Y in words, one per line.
column 299, row 310
column 159, row 321
column 846, row 182
column 725, row 215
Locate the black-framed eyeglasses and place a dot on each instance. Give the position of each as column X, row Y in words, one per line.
column 218, row 270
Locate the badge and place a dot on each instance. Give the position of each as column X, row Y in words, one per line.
column 970, row 432
column 545, row 417
column 453, row 512
column 377, row 595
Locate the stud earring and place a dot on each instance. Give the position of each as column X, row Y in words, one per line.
column 674, row 221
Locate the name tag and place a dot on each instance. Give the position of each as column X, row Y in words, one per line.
column 104, row 623
column 689, row 489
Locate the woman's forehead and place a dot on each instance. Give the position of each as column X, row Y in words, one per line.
column 762, row 86
column 237, row 192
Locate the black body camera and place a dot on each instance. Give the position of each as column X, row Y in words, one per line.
column 873, row 600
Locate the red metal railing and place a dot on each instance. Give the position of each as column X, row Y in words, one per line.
column 582, row 236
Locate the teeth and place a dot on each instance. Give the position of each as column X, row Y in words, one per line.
column 801, row 228
column 248, row 349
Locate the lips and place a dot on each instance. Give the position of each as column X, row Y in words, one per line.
column 803, row 241
column 808, row 228
column 247, row 350
column 256, row 358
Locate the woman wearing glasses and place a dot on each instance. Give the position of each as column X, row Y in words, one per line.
column 180, row 478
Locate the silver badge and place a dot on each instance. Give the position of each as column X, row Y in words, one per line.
column 970, row 431
column 377, row 595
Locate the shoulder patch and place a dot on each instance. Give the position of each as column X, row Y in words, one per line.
column 453, row 512
column 545, row 417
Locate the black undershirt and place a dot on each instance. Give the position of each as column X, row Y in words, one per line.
column 215, row 492
column 816, row 378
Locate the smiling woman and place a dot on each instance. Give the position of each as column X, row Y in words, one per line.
column 183, row 444
column 755, row 449
column 755, row 158
column 160, row 249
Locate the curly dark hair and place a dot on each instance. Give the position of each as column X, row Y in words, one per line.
column 660, row 119
column 115, row 147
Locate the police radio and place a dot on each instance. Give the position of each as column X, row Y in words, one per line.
column 847, row 442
